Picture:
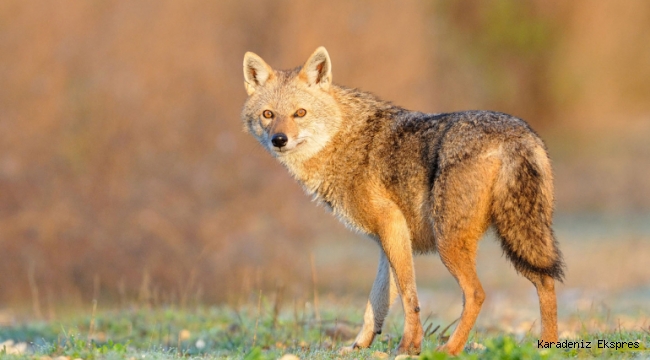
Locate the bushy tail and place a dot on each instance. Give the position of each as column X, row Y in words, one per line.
column 522, row 211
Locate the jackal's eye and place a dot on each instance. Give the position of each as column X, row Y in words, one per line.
column 301, row 113
column 267, row 114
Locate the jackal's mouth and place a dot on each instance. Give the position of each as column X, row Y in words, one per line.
column 290, row 148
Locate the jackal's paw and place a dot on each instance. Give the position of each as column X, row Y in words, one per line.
column 410, row 345
column 449, row 349
column 348, row 349
column 408, row 349
column 405, row 357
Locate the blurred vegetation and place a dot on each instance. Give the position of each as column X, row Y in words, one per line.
column 124, row 173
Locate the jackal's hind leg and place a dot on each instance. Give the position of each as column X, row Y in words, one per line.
column 461, row 263
column 382, row 295
column 545, row 285
column 461, row 216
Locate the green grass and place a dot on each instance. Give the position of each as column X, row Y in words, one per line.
column 259, row 333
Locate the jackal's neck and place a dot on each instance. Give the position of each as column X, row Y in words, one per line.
column 357, row 105
column 339, row 161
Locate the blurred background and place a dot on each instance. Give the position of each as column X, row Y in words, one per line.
column 125, row 174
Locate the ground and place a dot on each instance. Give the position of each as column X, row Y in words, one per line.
column 252, row 332
column 605, row 297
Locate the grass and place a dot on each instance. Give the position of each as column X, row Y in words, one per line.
column 261, row 332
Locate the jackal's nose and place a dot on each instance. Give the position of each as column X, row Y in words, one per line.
column 279, row 140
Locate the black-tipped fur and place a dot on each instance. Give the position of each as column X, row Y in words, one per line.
column 522, row 216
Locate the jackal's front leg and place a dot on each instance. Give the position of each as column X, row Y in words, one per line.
column 396, row 242
column 382, row 295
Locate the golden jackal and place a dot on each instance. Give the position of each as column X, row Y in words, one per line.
column 415, row 183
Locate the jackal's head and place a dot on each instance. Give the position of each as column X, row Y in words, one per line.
column 291, row 113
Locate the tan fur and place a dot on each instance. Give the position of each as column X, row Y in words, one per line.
column 286, row 125
column 415, row 183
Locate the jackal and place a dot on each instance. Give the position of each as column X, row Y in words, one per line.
column 413, row 182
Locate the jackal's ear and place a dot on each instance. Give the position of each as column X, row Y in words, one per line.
column 256, row 72
column 318, row 69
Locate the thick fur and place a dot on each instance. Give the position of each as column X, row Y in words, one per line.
column 414, row 182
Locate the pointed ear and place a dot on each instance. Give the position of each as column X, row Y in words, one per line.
column 256, row 72
column 318, row 69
